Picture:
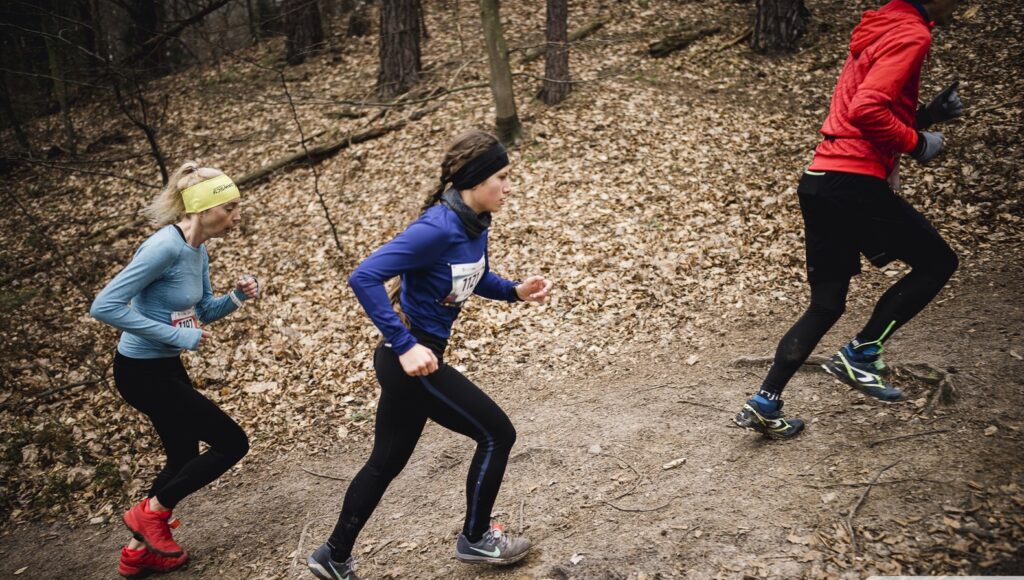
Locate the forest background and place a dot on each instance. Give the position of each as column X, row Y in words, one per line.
column 656, row 147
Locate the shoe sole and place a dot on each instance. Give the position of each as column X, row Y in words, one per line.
column 472, row 559
column 840, row 376
column 318, row 570
column 140, row 537
column 759, row 427
column 144, row 572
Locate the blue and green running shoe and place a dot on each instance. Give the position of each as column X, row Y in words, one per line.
column 862, row 375
column 771, row 424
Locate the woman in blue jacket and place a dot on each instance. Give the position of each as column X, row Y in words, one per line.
column 159, row 301
column 442, row 260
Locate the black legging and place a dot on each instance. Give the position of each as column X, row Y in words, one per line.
column 161, row 389
column 405, row 404
column 900, row 303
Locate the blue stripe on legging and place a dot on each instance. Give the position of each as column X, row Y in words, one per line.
column 487, row 455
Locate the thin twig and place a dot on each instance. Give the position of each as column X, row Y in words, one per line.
column 860, row 501
column 888, row 482
column 638, row 510
column 302, row 538
column 522, row 504
column 379, row 548
column 980, row 110
column 311, row 165
column 636, row 482
column 62, row 167
column 921, row 434
column 750, row 361
column 311, row 472
column 705, row 405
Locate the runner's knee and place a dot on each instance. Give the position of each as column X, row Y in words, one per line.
column 827, row 311
column 234, row 447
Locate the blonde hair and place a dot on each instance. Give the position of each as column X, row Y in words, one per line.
column 168, row 207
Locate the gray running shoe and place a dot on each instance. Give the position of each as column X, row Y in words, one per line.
column 493, row 548
column 323, row 567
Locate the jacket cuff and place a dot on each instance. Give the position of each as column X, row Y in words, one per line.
column 924, row 118
column 919, row 147
column 404, row 343
column 513, row 296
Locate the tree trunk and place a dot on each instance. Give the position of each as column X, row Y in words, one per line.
column 253, row 15
column 778, row 25
column 556, row 65
column 304, row 32
column 7, row 110
column 55, row 57
column 399, row 47
column 359, row 20
column 507, row 125
column 145, row 26
column 421, row 16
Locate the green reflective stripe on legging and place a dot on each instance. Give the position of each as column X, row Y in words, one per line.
column 878, row 341
column 885, row 334
column 815, row 173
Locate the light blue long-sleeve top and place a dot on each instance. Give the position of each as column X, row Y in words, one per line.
column 151, row 300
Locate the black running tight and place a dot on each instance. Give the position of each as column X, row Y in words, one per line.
column 896, row 307
column 449, row 399
column 182, row 417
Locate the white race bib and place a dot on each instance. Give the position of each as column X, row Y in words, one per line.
column 465, row 277
column 185, row 319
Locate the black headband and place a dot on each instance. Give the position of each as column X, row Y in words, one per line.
column 478, row 169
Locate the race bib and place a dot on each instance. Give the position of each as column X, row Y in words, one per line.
column 185, row 319
column 465, row 277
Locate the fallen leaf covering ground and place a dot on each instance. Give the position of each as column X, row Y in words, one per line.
column 659, row 198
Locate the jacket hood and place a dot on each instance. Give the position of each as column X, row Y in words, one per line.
column 875, row 23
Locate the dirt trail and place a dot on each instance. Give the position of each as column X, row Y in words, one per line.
column 586, row 481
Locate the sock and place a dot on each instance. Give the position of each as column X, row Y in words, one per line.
column 860, row 352
column 769, row 402
column 336, row 555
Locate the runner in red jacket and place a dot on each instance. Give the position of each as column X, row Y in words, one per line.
column 850, row 206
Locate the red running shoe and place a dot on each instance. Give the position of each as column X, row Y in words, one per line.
column 152, row 529
column 137, row 563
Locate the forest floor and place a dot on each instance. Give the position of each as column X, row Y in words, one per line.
column 660, row 199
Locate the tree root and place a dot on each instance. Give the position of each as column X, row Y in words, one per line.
column 860, row 501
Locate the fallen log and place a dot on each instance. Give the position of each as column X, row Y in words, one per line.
column 575, row 35
column 679, row 40
column 329, row 149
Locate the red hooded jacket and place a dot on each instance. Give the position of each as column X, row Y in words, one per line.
column 872, row 116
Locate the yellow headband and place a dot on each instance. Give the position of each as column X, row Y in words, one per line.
column 209, row 193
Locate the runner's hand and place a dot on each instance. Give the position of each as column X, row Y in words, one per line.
column 894, row 177
column 534, row 289
column 929, row 144
column 249, row 286
column 206, row 337
column 946, row 105
column 418, row 361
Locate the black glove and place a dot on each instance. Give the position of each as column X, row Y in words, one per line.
column 929, row 144
column 945, row 106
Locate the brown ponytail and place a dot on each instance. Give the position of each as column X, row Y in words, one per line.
column 466, row 147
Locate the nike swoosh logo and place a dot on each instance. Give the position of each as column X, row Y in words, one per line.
column 491, row 553
column 336, row 573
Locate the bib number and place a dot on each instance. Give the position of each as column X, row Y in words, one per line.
column 465, row 277
column 185, row 319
